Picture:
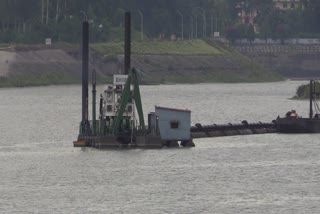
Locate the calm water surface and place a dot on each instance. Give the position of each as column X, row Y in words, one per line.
column 42, row 173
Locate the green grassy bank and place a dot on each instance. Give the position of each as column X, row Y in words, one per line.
column 158, row 47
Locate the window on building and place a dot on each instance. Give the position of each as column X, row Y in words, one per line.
column 174, row 124
column 285, row 5
column 292, row 5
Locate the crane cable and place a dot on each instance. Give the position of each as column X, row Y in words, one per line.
column 316, row 105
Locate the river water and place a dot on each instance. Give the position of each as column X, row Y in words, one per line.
column 42, row 173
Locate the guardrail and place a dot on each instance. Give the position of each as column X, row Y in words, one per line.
column 305, row 49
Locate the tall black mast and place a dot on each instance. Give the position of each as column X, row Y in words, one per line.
column 127, row 43
column 85, row 76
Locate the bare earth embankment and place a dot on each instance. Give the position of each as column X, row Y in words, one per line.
column 292, row 61
column 6, row 59
column 38, row 67
column 158, row 62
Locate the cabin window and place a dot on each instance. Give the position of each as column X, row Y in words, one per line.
column 109, row 97
column 130, row 108
column 119, row 97
column 174, row 124
column 109, row 108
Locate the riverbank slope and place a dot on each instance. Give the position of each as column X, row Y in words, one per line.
column 159, row 62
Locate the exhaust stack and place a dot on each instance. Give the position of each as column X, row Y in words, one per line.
column 127, row 43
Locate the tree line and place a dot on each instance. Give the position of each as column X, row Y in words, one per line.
column 32, row 21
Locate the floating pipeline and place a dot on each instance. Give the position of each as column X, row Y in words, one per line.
column 230, row 129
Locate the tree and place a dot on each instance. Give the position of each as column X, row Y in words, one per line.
column 30, row 21
column 231, row 33
column 251, row 35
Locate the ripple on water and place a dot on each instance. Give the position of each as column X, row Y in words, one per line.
column 42, row 173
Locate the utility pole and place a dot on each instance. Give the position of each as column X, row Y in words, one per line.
column 196, row 26
column 42, row 11
column 191, row 36
column 216, row 23
column 141, row 24
column 211, row 25
column 204, row 24
column 204, row 21
column 57, row 10
column 181, row 23
column 47, row 20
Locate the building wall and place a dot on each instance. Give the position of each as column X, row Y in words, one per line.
column 287, row 4
column 168, row 116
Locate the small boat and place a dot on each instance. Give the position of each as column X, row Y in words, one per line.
column 291, row 123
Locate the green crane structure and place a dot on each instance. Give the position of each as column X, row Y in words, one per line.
column 126, row 96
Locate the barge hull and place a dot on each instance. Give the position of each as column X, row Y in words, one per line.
column 298, row 125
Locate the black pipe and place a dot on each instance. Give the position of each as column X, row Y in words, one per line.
column 85, row 68
column 100, row 107
column 127, row 43
column 311, row 99
column 94, row 128
column 230, row 127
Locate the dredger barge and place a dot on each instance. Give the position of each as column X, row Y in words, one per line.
column 121, row 123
